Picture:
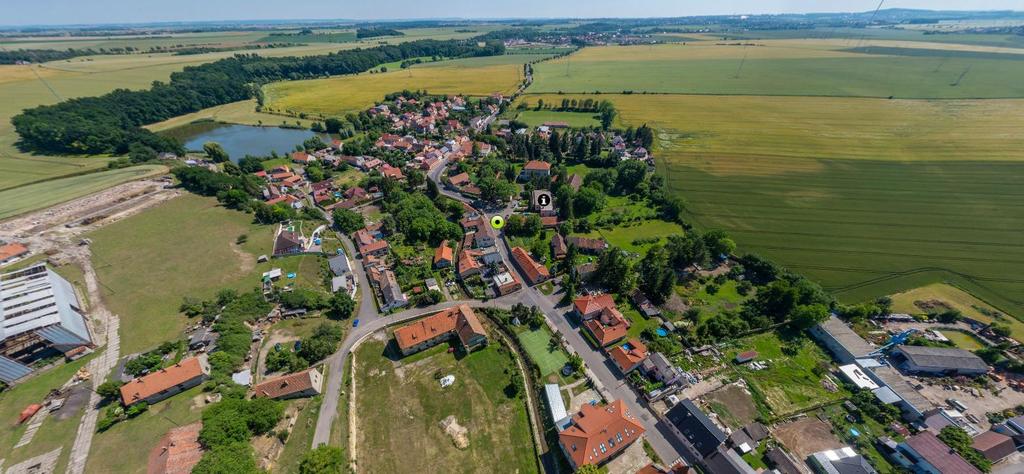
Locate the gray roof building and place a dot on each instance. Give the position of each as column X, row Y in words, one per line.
column 39, row 314
column 692, row 425
column 340, row 265
column 840, row 461
column 845, row 344
column 938, row 360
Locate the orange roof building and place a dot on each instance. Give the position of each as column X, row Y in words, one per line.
column 468, row 265
column 629, row 355
column 307, row 383
column 537, row 165
column 12, row 252
column 599, row 433
column 166, row 382
column 460, row 322
column 587, row 307
column 532, row 271
column 177, row 452
column 443, row 255
column 609, row 328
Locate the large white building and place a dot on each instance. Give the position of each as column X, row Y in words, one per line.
column 40, row 316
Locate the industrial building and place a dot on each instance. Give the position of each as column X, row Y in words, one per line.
column 40, row 316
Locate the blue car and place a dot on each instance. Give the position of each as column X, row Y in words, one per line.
column 355, row 323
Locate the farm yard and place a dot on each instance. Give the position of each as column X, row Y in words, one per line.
column 401, row 406
column 345, row 94
column 781, row 68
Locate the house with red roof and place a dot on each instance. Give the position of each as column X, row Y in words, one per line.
column 629, row 356
column 598, row 433
column 533, row 272
column 391, row 172
column 165, row 382
column 443, row 255
column 307, row 383
column 302, row 157
column 534, row 169
column 177, row 452
column 590, row 306
column 12, row 252
column 459, row 323
column 609, row 327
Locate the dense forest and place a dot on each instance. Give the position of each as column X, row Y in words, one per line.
column 44, row 55
column 112, row 122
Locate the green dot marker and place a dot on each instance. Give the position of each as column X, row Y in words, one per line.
column 497, row 222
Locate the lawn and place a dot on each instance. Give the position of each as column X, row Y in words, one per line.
column 31, row 197
column 727, row 298
column 138, row 435
column 400, row 409
column 963, row 340
column 536, row 343
column 777, row 69
column 343, row 94
column 535, row 118
column 188, row 250
column 789, row 383
column 625, row 236
column 242, row 112
column 53, row 432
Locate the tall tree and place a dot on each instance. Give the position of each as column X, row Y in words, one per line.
column 215, row 152
column 656, row 277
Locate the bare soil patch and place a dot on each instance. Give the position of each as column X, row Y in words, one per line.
column 806, row 436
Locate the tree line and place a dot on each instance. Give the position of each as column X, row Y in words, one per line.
column 111, row 123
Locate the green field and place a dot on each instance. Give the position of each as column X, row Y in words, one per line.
column 399, row 406
column 535, row 118
column 777, row 69
column 869, row 197
column 186, row 247
column 31, row 197
column 624, row 237
column 536, row 343
column 343, row 94
column 963, row 340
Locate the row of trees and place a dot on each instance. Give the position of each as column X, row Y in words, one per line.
column 112, row 122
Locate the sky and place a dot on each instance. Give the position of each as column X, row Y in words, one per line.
column 57, row 12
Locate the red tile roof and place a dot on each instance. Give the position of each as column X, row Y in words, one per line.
column 177, row 452
column 286, row 385
column 605, row 333
column 459, row 179
column 994, row 446
column 12, row 250
column 373, row 247
column 599, row 432
column 163, row 379
column 468, row 263
column 627, row 359
column 443, row 253
column 460, row 320
column 533, row 271
column 590, row 305
column 936, row 453
column 536, row 165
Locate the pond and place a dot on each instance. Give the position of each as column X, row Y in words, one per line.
column 241, row 140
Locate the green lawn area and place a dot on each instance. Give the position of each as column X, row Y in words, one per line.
column 963, row 340
column 138, row 435
column 623, row 237
column 726, row 298
column 35, row 196
column 534, row 118
column 638, row 323
column 958, row 299
column 52, row 433
column 186, row 247
column 400, row 408
column 536, row 343
column 789, row 383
